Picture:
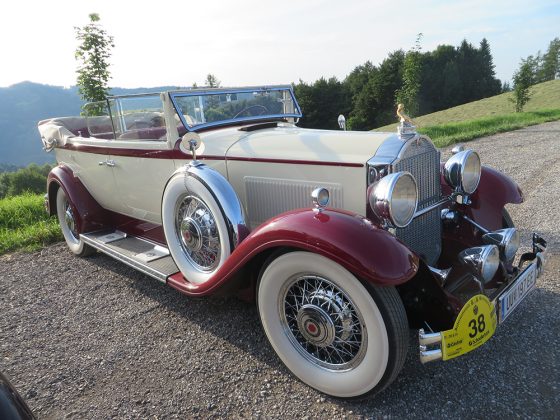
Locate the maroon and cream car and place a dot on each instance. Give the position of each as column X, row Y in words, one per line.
column 346, row 240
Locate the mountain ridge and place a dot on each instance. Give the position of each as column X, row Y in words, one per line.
column 24, row 104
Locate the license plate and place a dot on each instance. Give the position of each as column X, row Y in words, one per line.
column 515, row 293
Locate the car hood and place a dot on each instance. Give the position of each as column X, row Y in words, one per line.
column 292, row 143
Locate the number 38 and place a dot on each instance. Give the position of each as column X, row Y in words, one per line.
column 477, row 326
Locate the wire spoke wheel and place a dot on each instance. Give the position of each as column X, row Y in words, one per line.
column 198, row 233
column 322, row 322
column 70, row 220
column 336, row 334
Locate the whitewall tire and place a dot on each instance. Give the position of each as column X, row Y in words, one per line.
column 195, row 228
column 67, row 220
column 334, row 333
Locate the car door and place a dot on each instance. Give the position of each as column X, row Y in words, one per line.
column 141, row 160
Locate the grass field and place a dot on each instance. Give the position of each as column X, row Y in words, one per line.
column 455, row 132
column 481, row 116
column 24, row 224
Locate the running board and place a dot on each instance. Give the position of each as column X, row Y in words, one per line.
column 149, row 258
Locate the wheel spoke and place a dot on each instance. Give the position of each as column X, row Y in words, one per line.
column 197, row 233
column 323, row 322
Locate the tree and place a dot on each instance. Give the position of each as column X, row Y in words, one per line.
column 550, row 68
column 440, row 87
column 322, row 102
column 212, row 81
column 488, row 85
column 412, row 78
column 30, row 179
column 93, row 53
column 522, row 81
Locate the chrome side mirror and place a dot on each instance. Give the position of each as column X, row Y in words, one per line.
column 191, row 141
column 342, row 122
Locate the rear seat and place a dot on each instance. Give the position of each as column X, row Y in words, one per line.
column 151, row 133
column 76, row 125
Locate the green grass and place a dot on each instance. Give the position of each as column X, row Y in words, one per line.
column 445, row 134
column 544, row 96
column 24, row 224
column 488, row 116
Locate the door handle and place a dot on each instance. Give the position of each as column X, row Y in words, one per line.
column 109, row 162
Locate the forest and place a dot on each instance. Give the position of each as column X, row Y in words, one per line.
column 445, row 77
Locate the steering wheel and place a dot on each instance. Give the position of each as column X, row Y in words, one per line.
column 263, row 109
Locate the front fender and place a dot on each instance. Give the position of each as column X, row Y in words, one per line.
column 348, row 239
column 89, row 214
column 494, row 191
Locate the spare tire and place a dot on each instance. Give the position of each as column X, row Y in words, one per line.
column 198, row 221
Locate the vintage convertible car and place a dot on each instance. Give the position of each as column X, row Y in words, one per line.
column 344, row 239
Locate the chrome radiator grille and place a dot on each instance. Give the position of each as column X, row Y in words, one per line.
column 423, row 235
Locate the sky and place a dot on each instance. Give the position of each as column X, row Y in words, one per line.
column 255, row 42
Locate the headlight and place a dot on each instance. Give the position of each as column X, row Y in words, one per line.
column 462, row 171
column 483, row 261
column 506, row 239
column 394, row 198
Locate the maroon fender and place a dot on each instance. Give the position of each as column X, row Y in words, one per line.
column 89, row 214
column 494, row 191
column 350, row 240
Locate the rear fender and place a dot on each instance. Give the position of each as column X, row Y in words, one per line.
column 346, row 238
column 89, row 214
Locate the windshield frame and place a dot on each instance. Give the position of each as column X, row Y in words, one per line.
column 234, row 121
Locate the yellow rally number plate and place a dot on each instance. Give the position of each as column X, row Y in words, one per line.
column 474, row 326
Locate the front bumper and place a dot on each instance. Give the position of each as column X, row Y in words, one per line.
column 479, row 317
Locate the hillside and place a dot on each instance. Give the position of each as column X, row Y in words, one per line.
column 545, row 96
column 24, row 104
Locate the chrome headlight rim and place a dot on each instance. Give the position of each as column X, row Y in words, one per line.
column 507, row 240
column 483, row 261
column 383, row 194
column 455, row 171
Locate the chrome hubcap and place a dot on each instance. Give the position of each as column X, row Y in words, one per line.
column 198, row 234
column 316, row 326
column 322, row 323
column 191, row 234
column 70, row 221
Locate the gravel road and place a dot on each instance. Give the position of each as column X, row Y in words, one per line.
column 92, row 338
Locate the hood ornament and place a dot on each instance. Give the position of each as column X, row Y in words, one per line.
column 406, row 129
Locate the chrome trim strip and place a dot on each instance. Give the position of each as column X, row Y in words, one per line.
column 124, row 259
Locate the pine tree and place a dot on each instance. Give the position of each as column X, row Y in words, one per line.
column 488, row 84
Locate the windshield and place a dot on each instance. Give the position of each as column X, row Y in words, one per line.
column 199, row 108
